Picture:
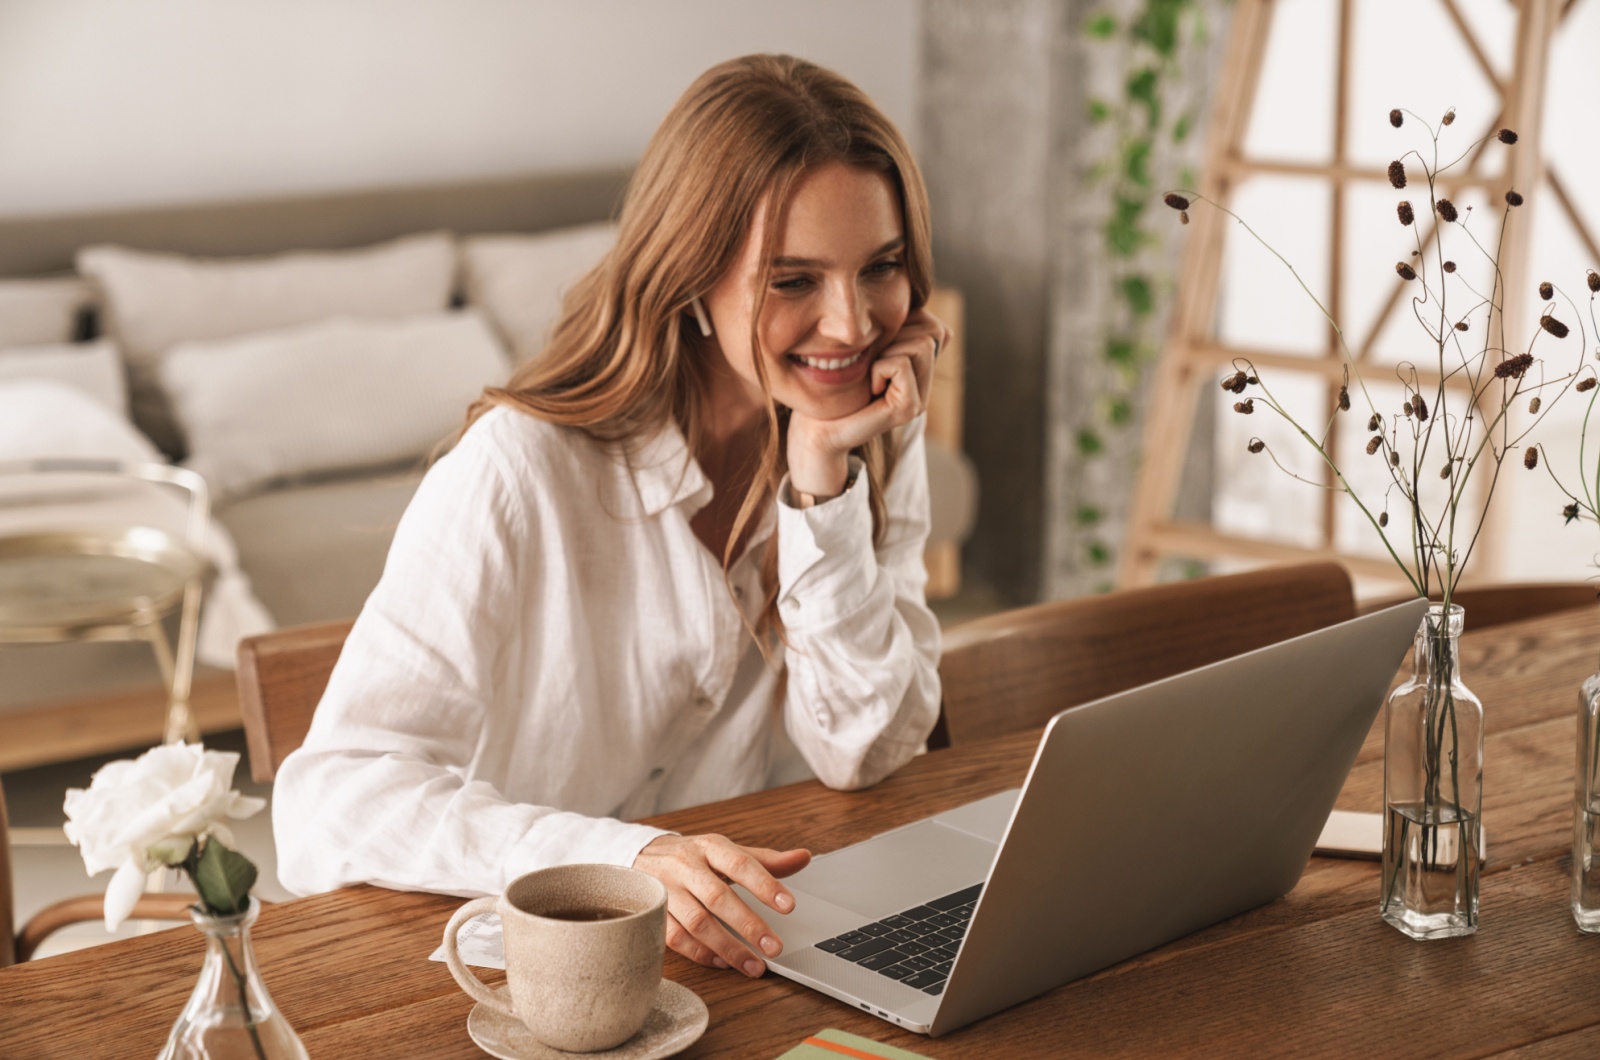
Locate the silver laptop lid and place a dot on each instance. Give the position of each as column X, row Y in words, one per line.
column 1159, row 811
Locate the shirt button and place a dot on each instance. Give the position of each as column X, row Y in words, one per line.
column 657, row 773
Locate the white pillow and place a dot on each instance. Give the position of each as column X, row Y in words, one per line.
column 152, row 302
column 519, row 280
column 42, row 418
column 35, row 312
column 92, row 368
column 339, row 394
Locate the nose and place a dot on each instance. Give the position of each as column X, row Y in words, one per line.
column 845, row 317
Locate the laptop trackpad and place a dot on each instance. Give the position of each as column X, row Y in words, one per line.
column 897, row 870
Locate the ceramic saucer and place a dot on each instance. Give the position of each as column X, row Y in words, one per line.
column 676, row 1022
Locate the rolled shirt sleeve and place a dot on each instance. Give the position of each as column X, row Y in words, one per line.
column 863, row 689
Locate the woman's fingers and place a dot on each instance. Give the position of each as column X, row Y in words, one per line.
column 697, row 871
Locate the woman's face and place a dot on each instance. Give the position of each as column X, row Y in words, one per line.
column 837, row 294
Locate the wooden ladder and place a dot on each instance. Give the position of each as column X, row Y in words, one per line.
column 1193, row 360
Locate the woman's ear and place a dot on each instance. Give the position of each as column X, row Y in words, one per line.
column 700, row 315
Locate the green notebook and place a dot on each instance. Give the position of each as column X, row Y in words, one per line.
column 832, row 1045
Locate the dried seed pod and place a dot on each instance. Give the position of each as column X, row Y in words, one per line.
column 1570, row 511
column 1444, row 472
column 1245, row 407
column 1554, row 326
column 1447, row 209
column 1404, row 210
column 1594, row 281
column 1396, row 118
column 1507, row 136
column 1530, row 459
column 1176, row 201
column 1533, row 404
column 1514, row 367
column 1394, row 458
column 1252, row 380
column 1420, row 406
column 1449, row 266
column 1256, row 445
column 1513, row 198
column 1373, row 443
column 1547, row 291
column 1449, row 117
column 1183, row 217
column 1397, row 174
column 1234, row 382
column 1407, row 409
column 1344, row 399
column 1461, row 325
column 1383, row 518
column 1585, row 384
column 1406, row 271
column 1374, row 423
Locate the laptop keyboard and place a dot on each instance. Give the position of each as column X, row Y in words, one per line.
column 917, row 946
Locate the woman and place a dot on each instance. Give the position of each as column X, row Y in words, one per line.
column 679, row 556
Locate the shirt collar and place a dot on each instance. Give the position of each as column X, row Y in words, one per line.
column 665, row 473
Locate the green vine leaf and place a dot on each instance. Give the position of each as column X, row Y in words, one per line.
column 1119, row 411
column 1088, row 515
column 1185, row 125
column 1099, row 110
column 1099, row 554
column 1136, row 290
column 1101, row 27
column 1136, row 162
column 1157, row 26
column 1089, row 443
column 1142, row 90
column 1124, row 237
column 1120, row 350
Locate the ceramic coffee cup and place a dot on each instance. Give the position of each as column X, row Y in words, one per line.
column 583, row 947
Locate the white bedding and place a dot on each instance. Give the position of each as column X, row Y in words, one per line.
column 42, row 419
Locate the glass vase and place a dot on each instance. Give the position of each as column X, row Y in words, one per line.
column 230, row 1014
column 1432, row 789
column 1586, row 810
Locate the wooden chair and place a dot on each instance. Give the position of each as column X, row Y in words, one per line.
column 1015, row 670
column 16, row 946
column 282, row 675
column 1496, row 605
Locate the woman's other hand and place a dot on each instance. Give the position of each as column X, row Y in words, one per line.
column 901, row 378
column 698, row 871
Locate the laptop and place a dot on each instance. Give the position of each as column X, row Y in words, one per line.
column 1145, row 816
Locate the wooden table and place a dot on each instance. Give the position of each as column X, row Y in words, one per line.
column 1314, row 974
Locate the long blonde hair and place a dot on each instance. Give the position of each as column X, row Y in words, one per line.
column 625, row 356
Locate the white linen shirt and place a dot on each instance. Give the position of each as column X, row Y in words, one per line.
column 551, row 652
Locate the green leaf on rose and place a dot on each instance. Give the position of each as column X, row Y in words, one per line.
column 223, row 879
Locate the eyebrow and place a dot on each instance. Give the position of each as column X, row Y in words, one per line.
column 896, row 243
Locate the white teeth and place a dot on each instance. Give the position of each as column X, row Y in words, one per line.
column 831, row 364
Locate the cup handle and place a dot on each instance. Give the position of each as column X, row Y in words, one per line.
column 458, row 968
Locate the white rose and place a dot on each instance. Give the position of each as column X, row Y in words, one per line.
column 139, row 814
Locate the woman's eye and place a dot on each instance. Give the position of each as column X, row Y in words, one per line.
column 792, row 283
column 884, row 268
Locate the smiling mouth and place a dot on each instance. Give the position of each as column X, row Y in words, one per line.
column 829, row 364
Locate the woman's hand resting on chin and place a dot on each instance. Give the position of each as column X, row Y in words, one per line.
column 819, row 450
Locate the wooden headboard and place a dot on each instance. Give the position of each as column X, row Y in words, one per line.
column 36, row 246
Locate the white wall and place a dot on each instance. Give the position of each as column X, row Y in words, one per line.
column 105, row 103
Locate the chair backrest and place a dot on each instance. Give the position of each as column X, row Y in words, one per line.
column 1495, row 605
column 8, row 930
column 1015, row 670
column 282, row 675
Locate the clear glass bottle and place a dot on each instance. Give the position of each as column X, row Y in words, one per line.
column 230, row 1014
column 1433, row 789
column 1586, row 810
